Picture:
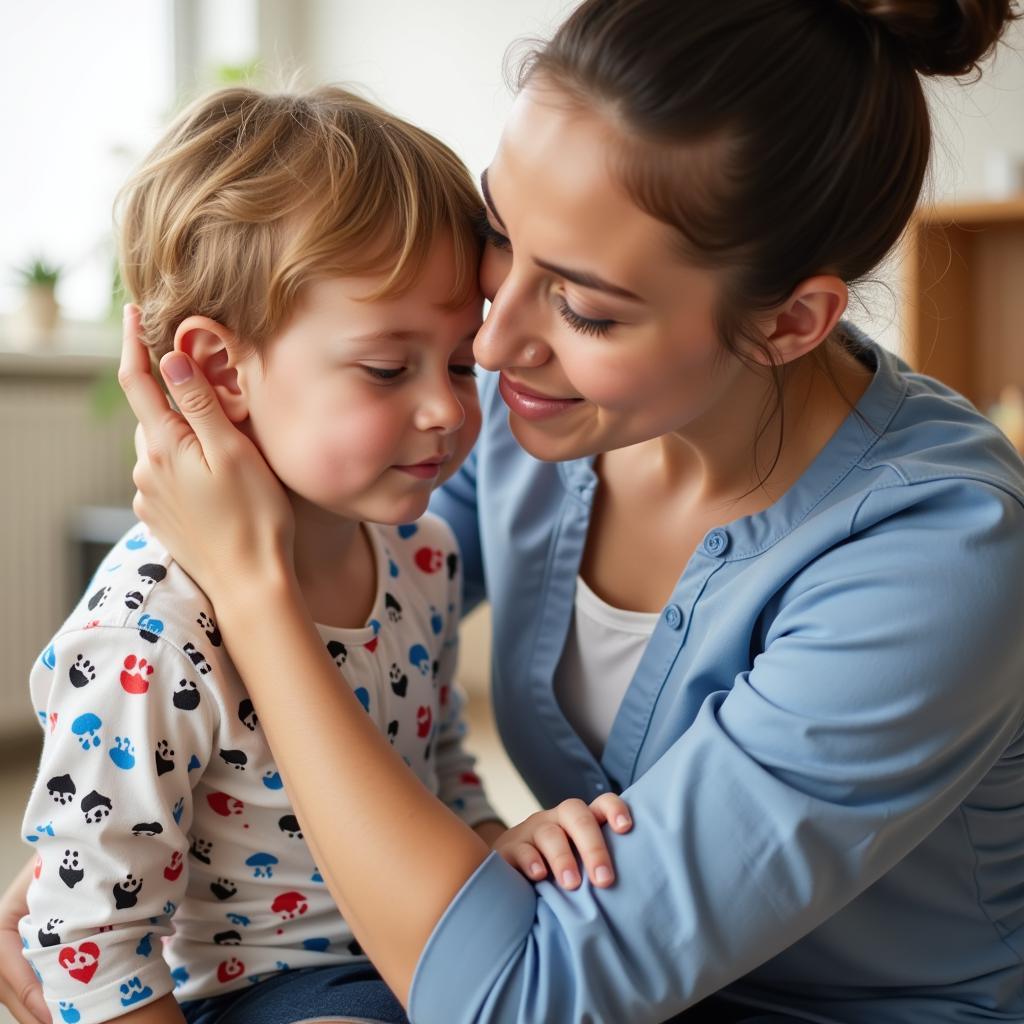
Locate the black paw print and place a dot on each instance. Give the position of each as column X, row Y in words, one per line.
column 247, row 715
column 147, row 828
column 338, row 651
column 186, row 696
column 96, row 807
column 133, row 599
column 201, row 849
column 228, row 938
column 99, row 599
column 70, row 869
column 223, row 888
column 392, row 729
column 235, row 758
column 453, row 565
column 290, row 826
column 62, row 789
column 164, row 757
column 393, row 608
column 82, row 672
column 48, row 935
column 197, row 658
column 126, row 893
column 209, row 627
column 152, row 573
column 399, row 680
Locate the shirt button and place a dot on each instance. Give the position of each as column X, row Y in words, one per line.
column 673, row 616
column 598, row 787
column 716, row 542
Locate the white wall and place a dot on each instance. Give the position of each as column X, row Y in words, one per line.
column 439, row 63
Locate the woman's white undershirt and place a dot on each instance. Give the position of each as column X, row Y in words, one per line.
column 602, row 651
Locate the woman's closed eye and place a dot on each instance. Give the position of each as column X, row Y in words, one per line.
column 490, row 234
column 584, row 324
column 462, row 369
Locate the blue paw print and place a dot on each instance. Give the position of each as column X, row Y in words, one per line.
column 149, row 628
column 133, row 991
column 42, row 717
column 194, row 763
column 87, row 728
column 170, row 907
column 238, row 919
column 374, row 625
column 436, row 621
column 364, row 697
column 407, row 530
column 262, row 865
column 179, row 976
column 122, row 753
column 136, row 542
column 68, row 1013
column 178, row 810
column 145, row 946
column 272, row 780
column 392, row 568
column 419, row 656
column 42, row 830
column 316, row 945
column 49, row 657
column 316, row 876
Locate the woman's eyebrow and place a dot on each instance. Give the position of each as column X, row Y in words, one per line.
column 580, row 277
column 487, row 198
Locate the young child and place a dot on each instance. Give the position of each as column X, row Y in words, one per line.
column 317, row 257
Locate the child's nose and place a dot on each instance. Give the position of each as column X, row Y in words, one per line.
column 440, row 409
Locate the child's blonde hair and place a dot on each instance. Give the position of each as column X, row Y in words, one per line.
column 249, row 195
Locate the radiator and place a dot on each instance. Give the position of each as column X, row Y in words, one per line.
column 56, row 456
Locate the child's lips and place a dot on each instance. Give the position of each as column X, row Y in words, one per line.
column 426, row 470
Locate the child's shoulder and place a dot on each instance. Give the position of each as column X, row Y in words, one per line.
column 138, row 586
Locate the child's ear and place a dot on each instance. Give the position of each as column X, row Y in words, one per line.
column 216, row 352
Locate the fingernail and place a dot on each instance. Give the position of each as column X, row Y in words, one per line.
column 603, row 874
column 568, row 879
column 622, row 821
column 537, row 869
column 176, row 368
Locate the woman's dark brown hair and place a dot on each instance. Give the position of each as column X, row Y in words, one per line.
column 781, row 138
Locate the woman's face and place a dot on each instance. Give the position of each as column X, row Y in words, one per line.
column 603, row 336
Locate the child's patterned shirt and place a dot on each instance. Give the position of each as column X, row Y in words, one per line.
column 157, row 794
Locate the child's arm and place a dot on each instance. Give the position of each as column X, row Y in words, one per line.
column 108, row 817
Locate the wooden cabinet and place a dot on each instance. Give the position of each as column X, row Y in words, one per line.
column 964, row 276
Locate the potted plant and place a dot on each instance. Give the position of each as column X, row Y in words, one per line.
column 41, row 310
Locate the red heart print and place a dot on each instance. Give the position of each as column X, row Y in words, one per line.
column 228, row 970
column 429, row 559
column 81, row 963
column 423, row 719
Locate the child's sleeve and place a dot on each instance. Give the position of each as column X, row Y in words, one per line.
column 458, row 784
column 127, row 732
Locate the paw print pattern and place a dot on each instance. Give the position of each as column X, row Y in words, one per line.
column 99, row 599
column 428, row 559
column 133, row 991
column 173, row 870
column 230, row 969
column 290, row 905
column 87, row 728
column 290, row 826
column 164, row 757
column 133, row 599
column 399, row 680
column 61, row 789
column 135, row 674
column 186, row 695
column 419, row 657
column 70, row 869
column 82, row 672
column 95, row 806
column 152, row 573
column 338, row 651
column 201, row 849
column 122, row 753
column 223, row 888
column 48, row 935
column 247, row 715
column 68, row 1013
column 236, row 758
column 150, row 629
column 209, row 627
column 126, row 893
column 197, row 658
column 452, row 562
column 178, row 810
column 393, row 608
column 392, row 729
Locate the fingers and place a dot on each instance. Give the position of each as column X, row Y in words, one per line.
column 143, row 393
column 525, row 858
column 197, row 403
column 20, row 991
column 611, row 809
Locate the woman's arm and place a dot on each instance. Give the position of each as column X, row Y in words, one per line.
column 20, row 990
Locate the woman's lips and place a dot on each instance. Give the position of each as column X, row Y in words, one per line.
column 532, row 406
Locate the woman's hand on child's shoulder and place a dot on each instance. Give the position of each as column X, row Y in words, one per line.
column 544, row 843
column 20, row 990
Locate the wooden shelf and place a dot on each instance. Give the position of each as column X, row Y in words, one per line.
column 965, row 296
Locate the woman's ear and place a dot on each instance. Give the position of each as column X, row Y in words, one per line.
column 215, row 350
column 807, row 317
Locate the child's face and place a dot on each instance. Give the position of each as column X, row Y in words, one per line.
column 363, row 408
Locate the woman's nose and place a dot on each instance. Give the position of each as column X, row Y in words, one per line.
column 509, row 336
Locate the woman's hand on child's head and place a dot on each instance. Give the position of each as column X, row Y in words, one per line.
column 204, row 489
column 545, row 841
column 20, row 990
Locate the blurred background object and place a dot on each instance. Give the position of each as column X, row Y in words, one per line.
column 87, row 89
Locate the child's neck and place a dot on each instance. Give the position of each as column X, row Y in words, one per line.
column 335, row 566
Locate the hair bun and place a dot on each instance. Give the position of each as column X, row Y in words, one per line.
column 941, row 37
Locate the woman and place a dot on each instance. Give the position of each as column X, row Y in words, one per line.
column 819, row 733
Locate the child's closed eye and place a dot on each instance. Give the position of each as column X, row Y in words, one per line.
column 385, row 373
